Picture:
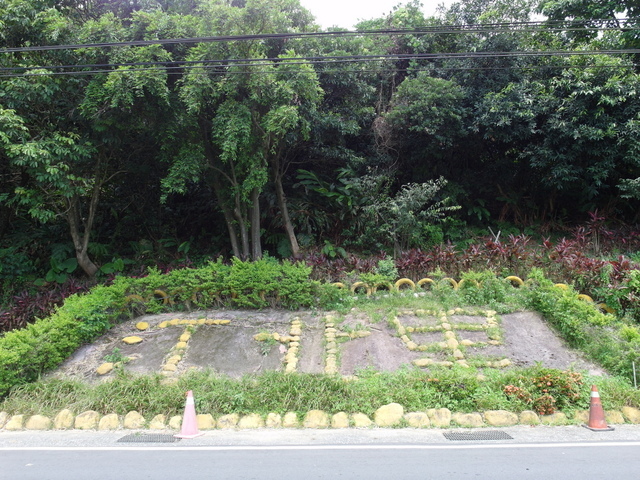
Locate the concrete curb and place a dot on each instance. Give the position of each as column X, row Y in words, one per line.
column 387, row 416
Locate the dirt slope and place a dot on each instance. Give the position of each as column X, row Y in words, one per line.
column 231, row 349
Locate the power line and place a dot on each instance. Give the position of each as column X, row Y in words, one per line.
column 304, row 60
column 505, row 27
column 343, row 71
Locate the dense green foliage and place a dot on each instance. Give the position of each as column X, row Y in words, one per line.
column 264, row 283
column 183, row 151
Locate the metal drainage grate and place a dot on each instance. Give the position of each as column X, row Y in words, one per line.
column 483, row 435
column 149, row 438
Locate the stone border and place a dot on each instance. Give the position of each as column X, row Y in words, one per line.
column 452, row 342
column 291, row 356
column 392, row 415
column 170, row 366
column 330, row 346
column 333, row 335
column 289, row 343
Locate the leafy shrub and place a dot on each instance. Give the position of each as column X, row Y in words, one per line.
column 561, row 307
column 249, row 283
column 264, row 283
column 624, row 297
column 485, row 289
column 405, row 218
column 294, row 288
column 203, row 286
column 259, row 284
column 25, row 354
column 387, row 268
column 602, row 337
column 546, row 390
column 330, row 297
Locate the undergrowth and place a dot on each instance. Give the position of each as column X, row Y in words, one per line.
column 458, row 389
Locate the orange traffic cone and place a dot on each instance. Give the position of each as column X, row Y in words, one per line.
column 189, row 421
column 596, row 413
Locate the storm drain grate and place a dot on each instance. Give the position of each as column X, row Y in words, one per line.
column 484, row 435
column 149, row 438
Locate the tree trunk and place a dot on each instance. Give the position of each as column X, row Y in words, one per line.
column 284, row 211
column 81, row 231
column 86, row 264
column 244, row 234
column 6, row 216
column 217, row 189
column 228, row 217
column 256, row 245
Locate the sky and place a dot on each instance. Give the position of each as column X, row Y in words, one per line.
column 345, row 13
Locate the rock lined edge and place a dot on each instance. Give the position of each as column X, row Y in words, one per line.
column 387, row 416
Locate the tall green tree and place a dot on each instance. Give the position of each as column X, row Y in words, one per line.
column 245, row 117
column 574, row 133
column 53, row 165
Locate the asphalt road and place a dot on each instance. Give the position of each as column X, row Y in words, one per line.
column 497, row 462
column 541, row 453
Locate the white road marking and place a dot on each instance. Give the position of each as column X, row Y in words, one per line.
column 328, row 447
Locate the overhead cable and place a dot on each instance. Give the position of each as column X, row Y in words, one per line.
column 505, row 27
column 303, row 60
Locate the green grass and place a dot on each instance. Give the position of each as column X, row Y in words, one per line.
column 459, row 389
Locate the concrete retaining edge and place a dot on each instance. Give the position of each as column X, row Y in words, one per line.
column 387, row 416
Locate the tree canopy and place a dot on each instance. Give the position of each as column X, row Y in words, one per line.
column 239, row 126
